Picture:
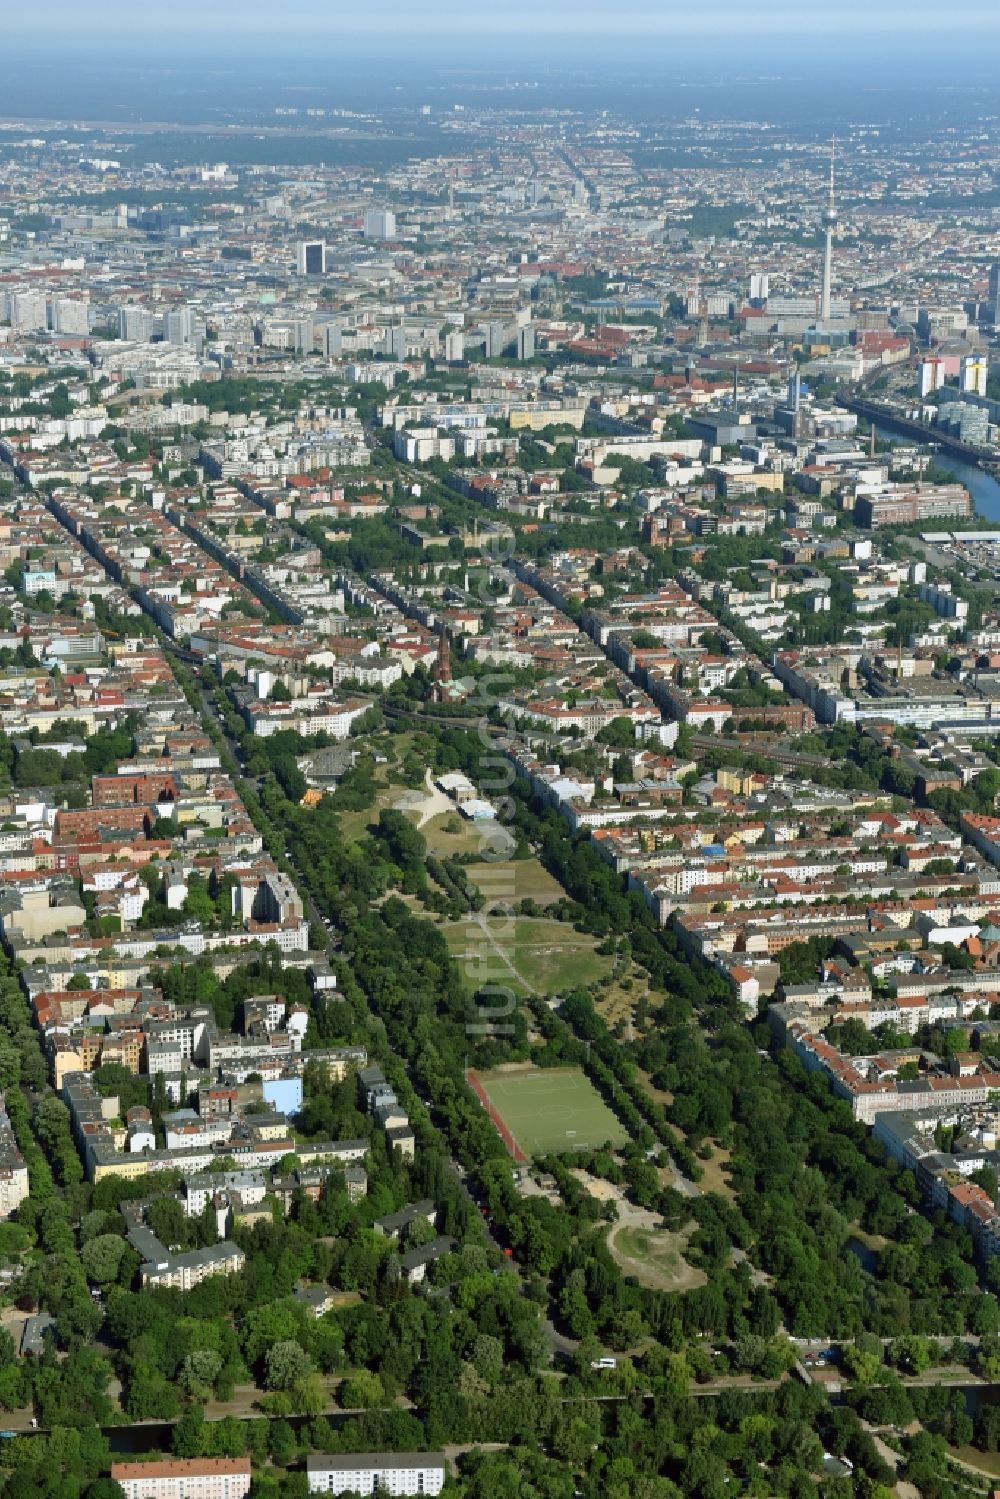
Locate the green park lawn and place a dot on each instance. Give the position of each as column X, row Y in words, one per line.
column 448, row 834
column 534, row 954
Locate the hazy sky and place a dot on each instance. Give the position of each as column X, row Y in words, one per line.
column 457, row 24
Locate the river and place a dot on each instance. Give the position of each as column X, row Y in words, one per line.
column 157, row 1436
column 984, row 489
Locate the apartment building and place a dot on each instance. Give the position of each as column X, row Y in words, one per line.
column 183, row 1272
column 185, row 1478
column 376, row 1473
column 13, row 1170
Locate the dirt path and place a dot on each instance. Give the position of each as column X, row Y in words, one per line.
column 479, row 918
column 664, row 1268
column 903, row 1488
column 432, row 803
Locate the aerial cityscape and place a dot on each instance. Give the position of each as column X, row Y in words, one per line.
column 500, row 753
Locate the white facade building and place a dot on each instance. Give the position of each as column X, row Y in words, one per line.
column 380, row 223
column 376, row 1472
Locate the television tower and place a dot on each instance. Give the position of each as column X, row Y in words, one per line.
column 830, row 221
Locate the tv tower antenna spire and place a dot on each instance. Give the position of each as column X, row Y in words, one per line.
column 830, row 222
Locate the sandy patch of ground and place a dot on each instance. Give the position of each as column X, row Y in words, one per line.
column 655, row 1257
column 602, row 1190
column 639, row 1244
column 425, row 804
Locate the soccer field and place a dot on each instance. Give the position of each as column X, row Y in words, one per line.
column 548, row 1110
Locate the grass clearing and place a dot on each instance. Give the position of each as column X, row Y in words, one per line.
column 616, row 1005
column 661, row 1095
column 355, row 825
column 715, row 1178
column 515, row 880
column 448, row 833
column 481, row 960
column 551, row 1109
column 390, row 788
column 547, row 956
column 551, row 956
column 987, row 1463
column 654, row 1257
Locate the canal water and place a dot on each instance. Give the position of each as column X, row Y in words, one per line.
column 984, row 489
column 157, row 1436
column 867, row 1258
